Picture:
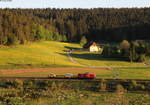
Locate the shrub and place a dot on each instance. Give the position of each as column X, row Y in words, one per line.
column 124, row 46
column 83, row 41
column 133, row 85
column 18, row 83
column 12, row 40
column 120, row 89
column 28, row 84
column 64, row 38
column 14, row 101
column 53, row 86
column 4, row 40
column 103, row 85
column 141, row 58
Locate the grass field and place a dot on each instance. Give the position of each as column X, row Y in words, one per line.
column 52, row 55
column 41, row 54
column 95, row 59
column 101, row 73
column 43, row 72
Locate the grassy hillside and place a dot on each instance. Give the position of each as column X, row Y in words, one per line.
column 95, row 59
column 53, row 54
column 41, row 54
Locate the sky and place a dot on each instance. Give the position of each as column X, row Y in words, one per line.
column 74, row 3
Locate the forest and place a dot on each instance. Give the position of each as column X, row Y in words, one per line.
column 111, row 25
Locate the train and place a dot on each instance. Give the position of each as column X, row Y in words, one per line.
column 86, row 75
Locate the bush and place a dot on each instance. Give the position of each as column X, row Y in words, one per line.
column 133, row 85
column 124, row 46
column 141, row 58
column 28, row 84
column 57, row 36
column 83, row 41
column 111, row 51
column 12, row 40
column 103, row 85
column 120, row 89
column 13, row 101
column 4, row 40
column 64, row 38
column 18, row 83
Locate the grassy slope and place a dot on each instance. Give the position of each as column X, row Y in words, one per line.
column 52, row 54
column 94, row 59
column 41, row 54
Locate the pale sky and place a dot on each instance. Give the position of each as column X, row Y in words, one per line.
column 73, row 3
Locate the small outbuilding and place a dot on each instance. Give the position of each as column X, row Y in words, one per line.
column 94, row 48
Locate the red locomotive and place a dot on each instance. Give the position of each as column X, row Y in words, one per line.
column 87, row 75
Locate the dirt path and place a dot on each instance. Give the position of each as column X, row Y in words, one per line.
column 74, row 61
column 53, row 70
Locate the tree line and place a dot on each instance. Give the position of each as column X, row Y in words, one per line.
column 112, row 25
column 134, row 51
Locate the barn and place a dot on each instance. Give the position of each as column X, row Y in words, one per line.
column 94, row 48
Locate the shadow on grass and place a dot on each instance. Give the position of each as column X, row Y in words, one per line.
column 24, row 66
column 89, row 56
column 30, row 66
column 15, row 64
column 72, row 48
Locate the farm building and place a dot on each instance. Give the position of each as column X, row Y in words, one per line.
column 94, row 48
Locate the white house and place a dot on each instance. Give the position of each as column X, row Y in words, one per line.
column 94, row 47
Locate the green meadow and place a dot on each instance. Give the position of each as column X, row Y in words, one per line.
column 95, row 59
column 52, row 54
column 40, row 54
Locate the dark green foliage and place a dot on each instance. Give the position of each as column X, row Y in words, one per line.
column 64, row 38
column 38, row 33
column 83, row 41
column 139, row 51
column 96, row 24
column 16, row 28
column 124, row 47
column 133, row 51
column 102, row 85
column 12, row 40
column 120, row 89
column 62, row 90
column 136, row 86
column 111, row 51
column 56, row 36
column 13, row 101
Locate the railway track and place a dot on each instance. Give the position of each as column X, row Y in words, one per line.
column 80, row 79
